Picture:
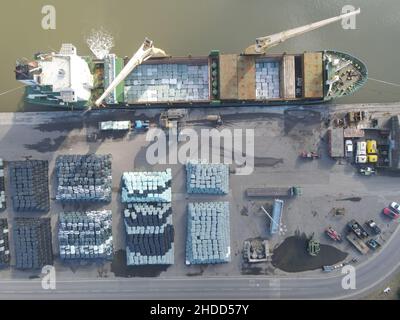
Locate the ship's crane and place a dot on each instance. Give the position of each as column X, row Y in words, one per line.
column 264, row 43
column 145, row 52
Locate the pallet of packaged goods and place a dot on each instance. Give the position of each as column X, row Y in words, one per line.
column 84, row 178
column 208, row 233
column 30, row 185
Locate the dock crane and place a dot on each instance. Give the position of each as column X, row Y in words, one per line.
column 145, row 52
column 264, row 43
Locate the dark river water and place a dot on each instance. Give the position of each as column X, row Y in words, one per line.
column 183, row 27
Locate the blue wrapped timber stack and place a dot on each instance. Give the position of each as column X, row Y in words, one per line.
column 32, row 241
column 4, row 244
column 84, row 178
column 150, row 234
column 204, row 178
column 30, row 185
column 208, row 233
column 148, row 187
column 85, row 235
column 2, row 187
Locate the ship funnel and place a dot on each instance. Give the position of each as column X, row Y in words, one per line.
column 264, row 43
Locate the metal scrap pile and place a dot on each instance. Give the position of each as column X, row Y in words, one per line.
column 203, row 178
column 84, row 178
column 2, row 187
column 4, row 244
column 30, row 185
column 86, row 235
column 150, row 234
column 147, row 186
column 32, row 240
column 208, row 235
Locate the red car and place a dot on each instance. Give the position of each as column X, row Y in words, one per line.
column 390, row 213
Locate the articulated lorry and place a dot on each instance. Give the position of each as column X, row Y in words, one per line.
column 268, row 192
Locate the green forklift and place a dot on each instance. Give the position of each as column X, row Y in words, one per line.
column 313, row 247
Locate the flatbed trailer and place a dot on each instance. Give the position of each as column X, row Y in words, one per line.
column 267, row 192
column 357, row 243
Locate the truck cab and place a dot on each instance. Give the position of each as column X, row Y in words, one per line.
column 361, row 159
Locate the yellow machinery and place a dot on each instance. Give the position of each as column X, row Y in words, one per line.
column 371, row 147
column 372, row 151
column 372, row 158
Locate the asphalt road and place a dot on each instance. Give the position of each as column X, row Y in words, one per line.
column 324, row 286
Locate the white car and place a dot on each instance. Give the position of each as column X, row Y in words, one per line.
column 349, row 148
column 395, row 206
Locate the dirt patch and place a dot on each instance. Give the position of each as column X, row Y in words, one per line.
column 47, row 145
column 198, row 273
column 292, row 255
column 266, row 162
column 353, row 199
column 120, row 269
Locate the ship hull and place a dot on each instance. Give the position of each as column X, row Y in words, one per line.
column 217, row 80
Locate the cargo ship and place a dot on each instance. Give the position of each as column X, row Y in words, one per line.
column 153, row 79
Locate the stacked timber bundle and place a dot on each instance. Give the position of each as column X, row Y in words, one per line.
column 4, row 244
column 146, row 186
column 85, row 235
column 150, row 234
column 267, row 80
column 83, row 178
column 33, row 245
column 168, row 83
column 208, row 233
column 203, row 178
column 30, row 185
column 2, row 187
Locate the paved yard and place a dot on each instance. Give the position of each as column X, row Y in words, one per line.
column 279, row 138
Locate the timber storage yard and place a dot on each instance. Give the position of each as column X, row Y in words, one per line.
column 108, row 214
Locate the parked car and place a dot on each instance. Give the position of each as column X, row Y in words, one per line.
column 390, row 213
column 395, row 206
column 374, row 227
column 373, row 244
column 349, row 148
column 368, row 171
